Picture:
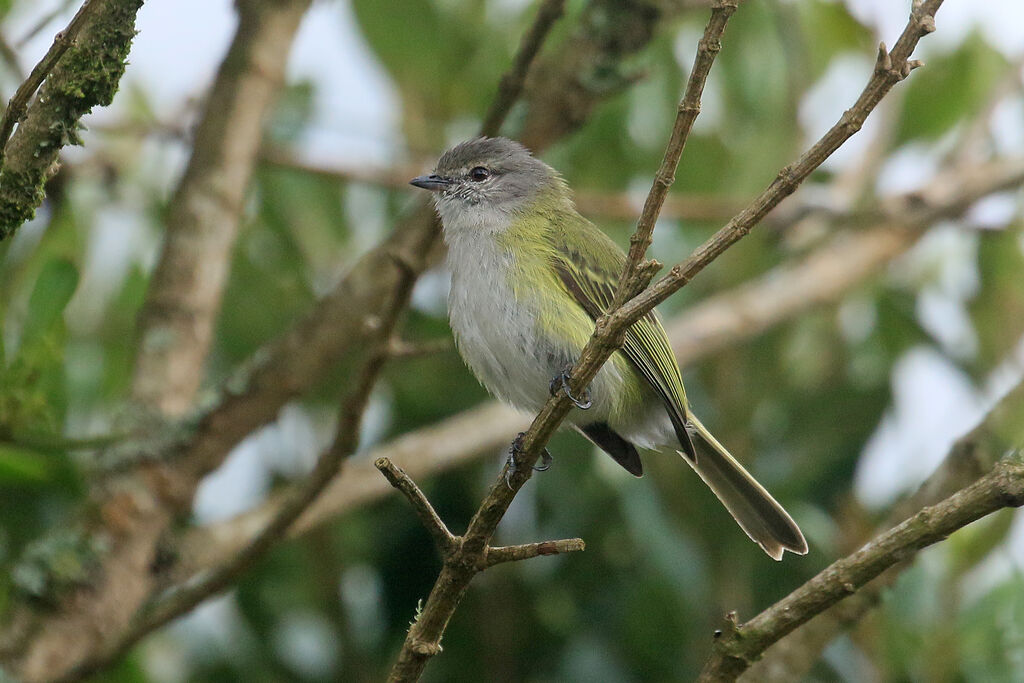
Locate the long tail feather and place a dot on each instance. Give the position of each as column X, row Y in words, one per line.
column 753, row 508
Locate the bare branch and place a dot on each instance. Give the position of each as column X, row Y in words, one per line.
column 971, row 457
column 890, row 69
column 512, row 82
column 632, row 278
column 738, row 645
column 514, row 553
column 443, row 538
column 81, row 69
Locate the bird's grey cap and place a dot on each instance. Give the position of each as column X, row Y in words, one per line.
column 513, row 172
column 499, row 152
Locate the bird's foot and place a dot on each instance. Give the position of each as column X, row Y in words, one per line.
column 561, row 383
column 516, row 449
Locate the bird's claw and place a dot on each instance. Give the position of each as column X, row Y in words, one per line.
column 561, row 383
column 514, row 450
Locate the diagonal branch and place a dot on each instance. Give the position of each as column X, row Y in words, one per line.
column 636, row 274
column 738, row 645
column 511, row 84
column 443, row 539
column 970, row 458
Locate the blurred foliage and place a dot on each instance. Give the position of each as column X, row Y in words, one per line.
column 663, row 560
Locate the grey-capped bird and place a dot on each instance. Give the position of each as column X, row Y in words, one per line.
column 529, row 277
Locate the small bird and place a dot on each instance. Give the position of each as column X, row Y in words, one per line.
column 530, row 275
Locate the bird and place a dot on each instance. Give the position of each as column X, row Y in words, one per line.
column 529, row 278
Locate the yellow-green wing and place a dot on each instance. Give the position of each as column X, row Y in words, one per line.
column 590, row 271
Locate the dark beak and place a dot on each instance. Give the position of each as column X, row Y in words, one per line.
column 432, row 182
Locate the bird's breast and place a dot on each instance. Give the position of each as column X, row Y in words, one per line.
column 497, row 334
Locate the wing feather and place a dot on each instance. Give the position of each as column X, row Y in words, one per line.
column 590, row 272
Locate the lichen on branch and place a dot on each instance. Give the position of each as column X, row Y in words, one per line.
column 87, row 75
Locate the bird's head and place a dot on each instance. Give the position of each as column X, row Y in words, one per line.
column 488, row 178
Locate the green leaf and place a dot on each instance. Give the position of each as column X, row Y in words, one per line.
column 53, row 290
column 949, row 88
column 23, row 465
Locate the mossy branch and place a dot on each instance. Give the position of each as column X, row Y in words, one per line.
column 84, row 76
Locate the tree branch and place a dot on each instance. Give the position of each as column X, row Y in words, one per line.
column 738, row 645
column 500, row 554
column 81, row 69
column 176, row 322
column 443, row 539
column 635, row 273
column 973, row 455
column 511, row 84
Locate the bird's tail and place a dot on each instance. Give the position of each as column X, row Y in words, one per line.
column 753, row 508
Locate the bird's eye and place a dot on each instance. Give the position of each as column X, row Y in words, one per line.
column 479, row 174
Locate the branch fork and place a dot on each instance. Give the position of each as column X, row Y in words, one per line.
column 451, row 547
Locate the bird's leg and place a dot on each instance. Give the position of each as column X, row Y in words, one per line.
column 516, row 449
column 561, row 383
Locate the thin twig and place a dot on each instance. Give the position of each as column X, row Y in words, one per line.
column 43, row 22
column 635, row 274
column 18, row 104
column 443, row 538
column 738, row 645
column 500, row 554
column 890, row 68
column 400, row 348
column 512, row 82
